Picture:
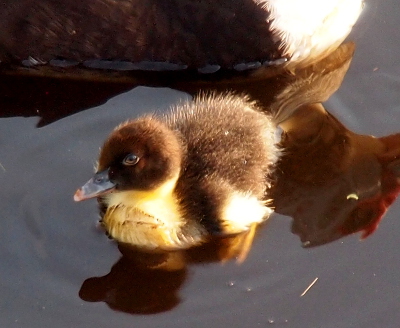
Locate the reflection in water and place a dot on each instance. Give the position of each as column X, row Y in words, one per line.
column 146, row 283
column 331, row 181
column 279, row 92
column 134, row 289
column 283, row 92
column 51, row 99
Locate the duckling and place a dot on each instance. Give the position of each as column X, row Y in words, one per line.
column 174, row 181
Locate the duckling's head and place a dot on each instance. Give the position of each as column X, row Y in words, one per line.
column 139, row 155
column 138, row 169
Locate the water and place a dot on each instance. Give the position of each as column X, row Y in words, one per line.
column 56, row 261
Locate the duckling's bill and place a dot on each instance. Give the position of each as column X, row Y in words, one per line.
column 98, row 185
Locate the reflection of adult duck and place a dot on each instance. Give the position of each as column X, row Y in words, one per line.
column 173, row 34
column 277, row 94
column 332, row 181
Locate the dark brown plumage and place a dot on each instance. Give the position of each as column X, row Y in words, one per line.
column 201, row 170
column 159, row 150
column 239, row 34
column 229, row 147
column 137, row 30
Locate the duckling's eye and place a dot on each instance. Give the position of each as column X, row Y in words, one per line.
column 130, row 159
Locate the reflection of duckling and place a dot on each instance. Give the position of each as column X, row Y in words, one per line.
column 172, row 182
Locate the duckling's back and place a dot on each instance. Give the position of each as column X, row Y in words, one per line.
column 229, row 154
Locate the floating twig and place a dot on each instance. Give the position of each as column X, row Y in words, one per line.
column 308, row 288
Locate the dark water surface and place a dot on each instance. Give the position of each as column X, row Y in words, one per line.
column 52, row 250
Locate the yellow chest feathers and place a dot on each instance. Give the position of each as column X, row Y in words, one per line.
column 153, row 220
column 148, row 219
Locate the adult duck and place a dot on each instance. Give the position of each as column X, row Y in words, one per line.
column 173, row 34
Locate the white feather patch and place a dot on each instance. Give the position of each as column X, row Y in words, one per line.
column 241, row 211
column 310, row 27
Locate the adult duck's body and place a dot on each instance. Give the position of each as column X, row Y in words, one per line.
column 173, row 34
